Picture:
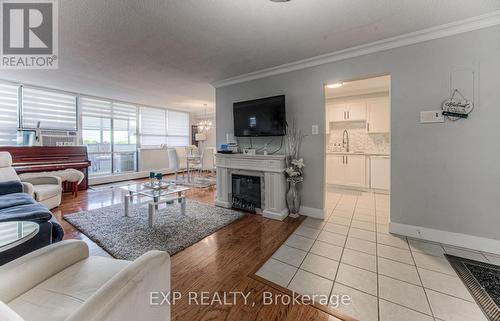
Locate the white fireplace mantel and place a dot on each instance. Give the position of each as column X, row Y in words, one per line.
column 269, row 167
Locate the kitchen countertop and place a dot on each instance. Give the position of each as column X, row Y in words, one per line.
column 358, row 153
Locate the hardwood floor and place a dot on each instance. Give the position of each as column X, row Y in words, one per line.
column 223, row 261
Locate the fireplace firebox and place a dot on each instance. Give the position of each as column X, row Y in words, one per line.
column 246, row 193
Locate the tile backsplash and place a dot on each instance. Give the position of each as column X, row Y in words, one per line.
column 359, row 139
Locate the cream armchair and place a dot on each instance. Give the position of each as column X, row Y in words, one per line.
column 46, row 190
column 62, row 282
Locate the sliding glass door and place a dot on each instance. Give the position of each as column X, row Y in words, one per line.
column 124, row 138
column 96, row 134
column 109, row 130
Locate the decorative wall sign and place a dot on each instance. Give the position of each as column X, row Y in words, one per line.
column 457, row 106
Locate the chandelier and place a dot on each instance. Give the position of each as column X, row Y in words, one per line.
column 204, row 125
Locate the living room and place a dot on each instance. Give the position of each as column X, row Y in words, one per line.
column 234, row 160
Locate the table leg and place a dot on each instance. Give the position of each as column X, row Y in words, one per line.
column 188, row 172
column 183, row 205
column 151, row 213
column 179, row 194
column 126, row 203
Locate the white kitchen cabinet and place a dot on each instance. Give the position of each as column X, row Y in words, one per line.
column 346, row 170
column 355, row 171
column 380, row 172
column 379, row 116
column 335, row 172
column 356, row 111
column 352, row 111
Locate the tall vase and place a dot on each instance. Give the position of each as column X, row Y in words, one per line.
column 293, row 199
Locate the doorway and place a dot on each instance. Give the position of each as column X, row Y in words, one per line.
column 357, row 143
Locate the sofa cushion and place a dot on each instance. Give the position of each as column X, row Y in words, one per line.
column 58, row 297
column 7, row 314
column 46, row 191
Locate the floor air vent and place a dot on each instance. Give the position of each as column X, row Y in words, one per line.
column 483, row 282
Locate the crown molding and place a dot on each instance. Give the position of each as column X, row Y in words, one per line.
column 446, row 30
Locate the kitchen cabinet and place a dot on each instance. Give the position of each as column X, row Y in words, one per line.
column 380, row 172
column 346, row 170
column 352, row 111
column 335, row 173
column 356, row 111
column 379, row 116
column 355, row 171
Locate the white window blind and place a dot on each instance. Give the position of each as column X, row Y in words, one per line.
column 54, row 110
column 178, row 123
column 153, row 121
column 153, row 126
column 161, row 126
column 8, row 114
column 125, row 112
column 95, row 107
column 178, row 129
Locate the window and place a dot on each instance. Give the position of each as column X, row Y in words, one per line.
column 96, row 134
column 178, row 129
column 109, row 130
column 54, row 110
column 153, row 126
column 124, row 137
column 8, row 114
column 162, row 126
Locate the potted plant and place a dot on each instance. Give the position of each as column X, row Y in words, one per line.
column 295, row 170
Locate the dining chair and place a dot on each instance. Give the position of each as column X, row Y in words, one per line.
column 208, row 160
column 174, row 163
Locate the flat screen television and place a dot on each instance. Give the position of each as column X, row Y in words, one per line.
column 260, row 117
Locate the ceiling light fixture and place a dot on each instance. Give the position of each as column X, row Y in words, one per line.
column 336, row 85
column 205, row 124
column 280, row 0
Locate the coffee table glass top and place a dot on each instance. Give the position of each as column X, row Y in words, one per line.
column 13, row 233
column 140, row 189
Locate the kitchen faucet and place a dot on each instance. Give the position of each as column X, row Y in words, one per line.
column 345, row 140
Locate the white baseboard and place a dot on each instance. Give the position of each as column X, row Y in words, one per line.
column 451, row 238
column 313, row 212
column 280, row 216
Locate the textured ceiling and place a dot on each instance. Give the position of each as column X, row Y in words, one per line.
column 167, row 52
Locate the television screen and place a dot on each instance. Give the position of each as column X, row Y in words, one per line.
column 261, row 117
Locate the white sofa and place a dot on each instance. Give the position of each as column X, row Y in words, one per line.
column 62, row 282
column 46, row 190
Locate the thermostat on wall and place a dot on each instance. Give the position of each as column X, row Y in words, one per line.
column 432, row 116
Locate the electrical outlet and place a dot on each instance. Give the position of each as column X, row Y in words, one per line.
column 315, row 129
column 432, row 116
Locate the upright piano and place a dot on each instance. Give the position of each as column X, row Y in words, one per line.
column 46, row 159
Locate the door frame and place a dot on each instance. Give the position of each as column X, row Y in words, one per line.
column 326, row 132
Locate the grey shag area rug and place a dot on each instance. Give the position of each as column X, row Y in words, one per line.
column 129, row 237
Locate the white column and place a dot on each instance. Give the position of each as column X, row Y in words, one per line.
column 275, row 202
column 223, row 181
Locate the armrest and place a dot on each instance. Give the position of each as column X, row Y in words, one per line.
column 10, row 187
column 43, row 180
column 127, row 295
column 7, row 314
column 28, row 188
column 26, row 272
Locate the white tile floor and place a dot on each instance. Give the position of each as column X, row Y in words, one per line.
column 389, row 278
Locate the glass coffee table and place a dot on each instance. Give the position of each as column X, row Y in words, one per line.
column 15, row 233
column 155, row 197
